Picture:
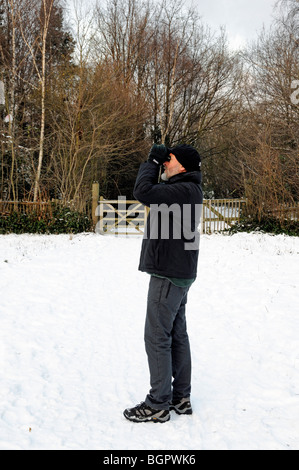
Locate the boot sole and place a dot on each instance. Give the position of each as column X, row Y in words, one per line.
column 148, row 420
column 179, row 412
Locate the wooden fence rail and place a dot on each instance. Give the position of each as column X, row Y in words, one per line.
column 27, row 207
column 40, row 207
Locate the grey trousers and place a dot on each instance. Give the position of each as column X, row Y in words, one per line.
column 167, row 343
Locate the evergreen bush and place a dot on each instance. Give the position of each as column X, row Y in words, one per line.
column 267, row 225
column 62, row 220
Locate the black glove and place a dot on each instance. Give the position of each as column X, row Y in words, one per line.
column 158, row 154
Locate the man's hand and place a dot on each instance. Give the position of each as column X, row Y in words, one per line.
column 158, row 154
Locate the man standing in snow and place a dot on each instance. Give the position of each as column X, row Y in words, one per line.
column 169, row 254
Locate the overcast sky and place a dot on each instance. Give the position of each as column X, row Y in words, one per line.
column 243, row 19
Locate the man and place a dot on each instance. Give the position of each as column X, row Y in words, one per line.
column 169, row 254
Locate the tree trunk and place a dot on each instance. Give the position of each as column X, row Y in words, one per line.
column 45, row 28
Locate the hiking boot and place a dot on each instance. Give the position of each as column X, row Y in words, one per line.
column 142, row 413
column 181, row 406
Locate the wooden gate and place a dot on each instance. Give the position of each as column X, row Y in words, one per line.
column 121, row 217
column 128, row 217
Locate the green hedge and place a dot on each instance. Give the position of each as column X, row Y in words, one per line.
column 267, row 225
column 63, row 220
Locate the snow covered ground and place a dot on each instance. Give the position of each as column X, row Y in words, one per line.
column 72, row 354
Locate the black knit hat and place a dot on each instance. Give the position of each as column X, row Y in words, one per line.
column 187, row 156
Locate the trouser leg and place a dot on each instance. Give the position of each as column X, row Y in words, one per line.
column 181, row 355
column 166, row 344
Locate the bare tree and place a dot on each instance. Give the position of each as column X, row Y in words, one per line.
column 124, row 34
column 97, row 120
column 8, row 59
column 44, row 45
column 45, row 15
column 11, row 106
column 268, row 132
column 186, row 72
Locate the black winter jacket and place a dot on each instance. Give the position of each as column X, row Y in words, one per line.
column 171, row 238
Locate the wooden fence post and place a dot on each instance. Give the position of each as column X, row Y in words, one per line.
column 95, row 202
column 202, row 220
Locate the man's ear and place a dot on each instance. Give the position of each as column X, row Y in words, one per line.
column 182, row 169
